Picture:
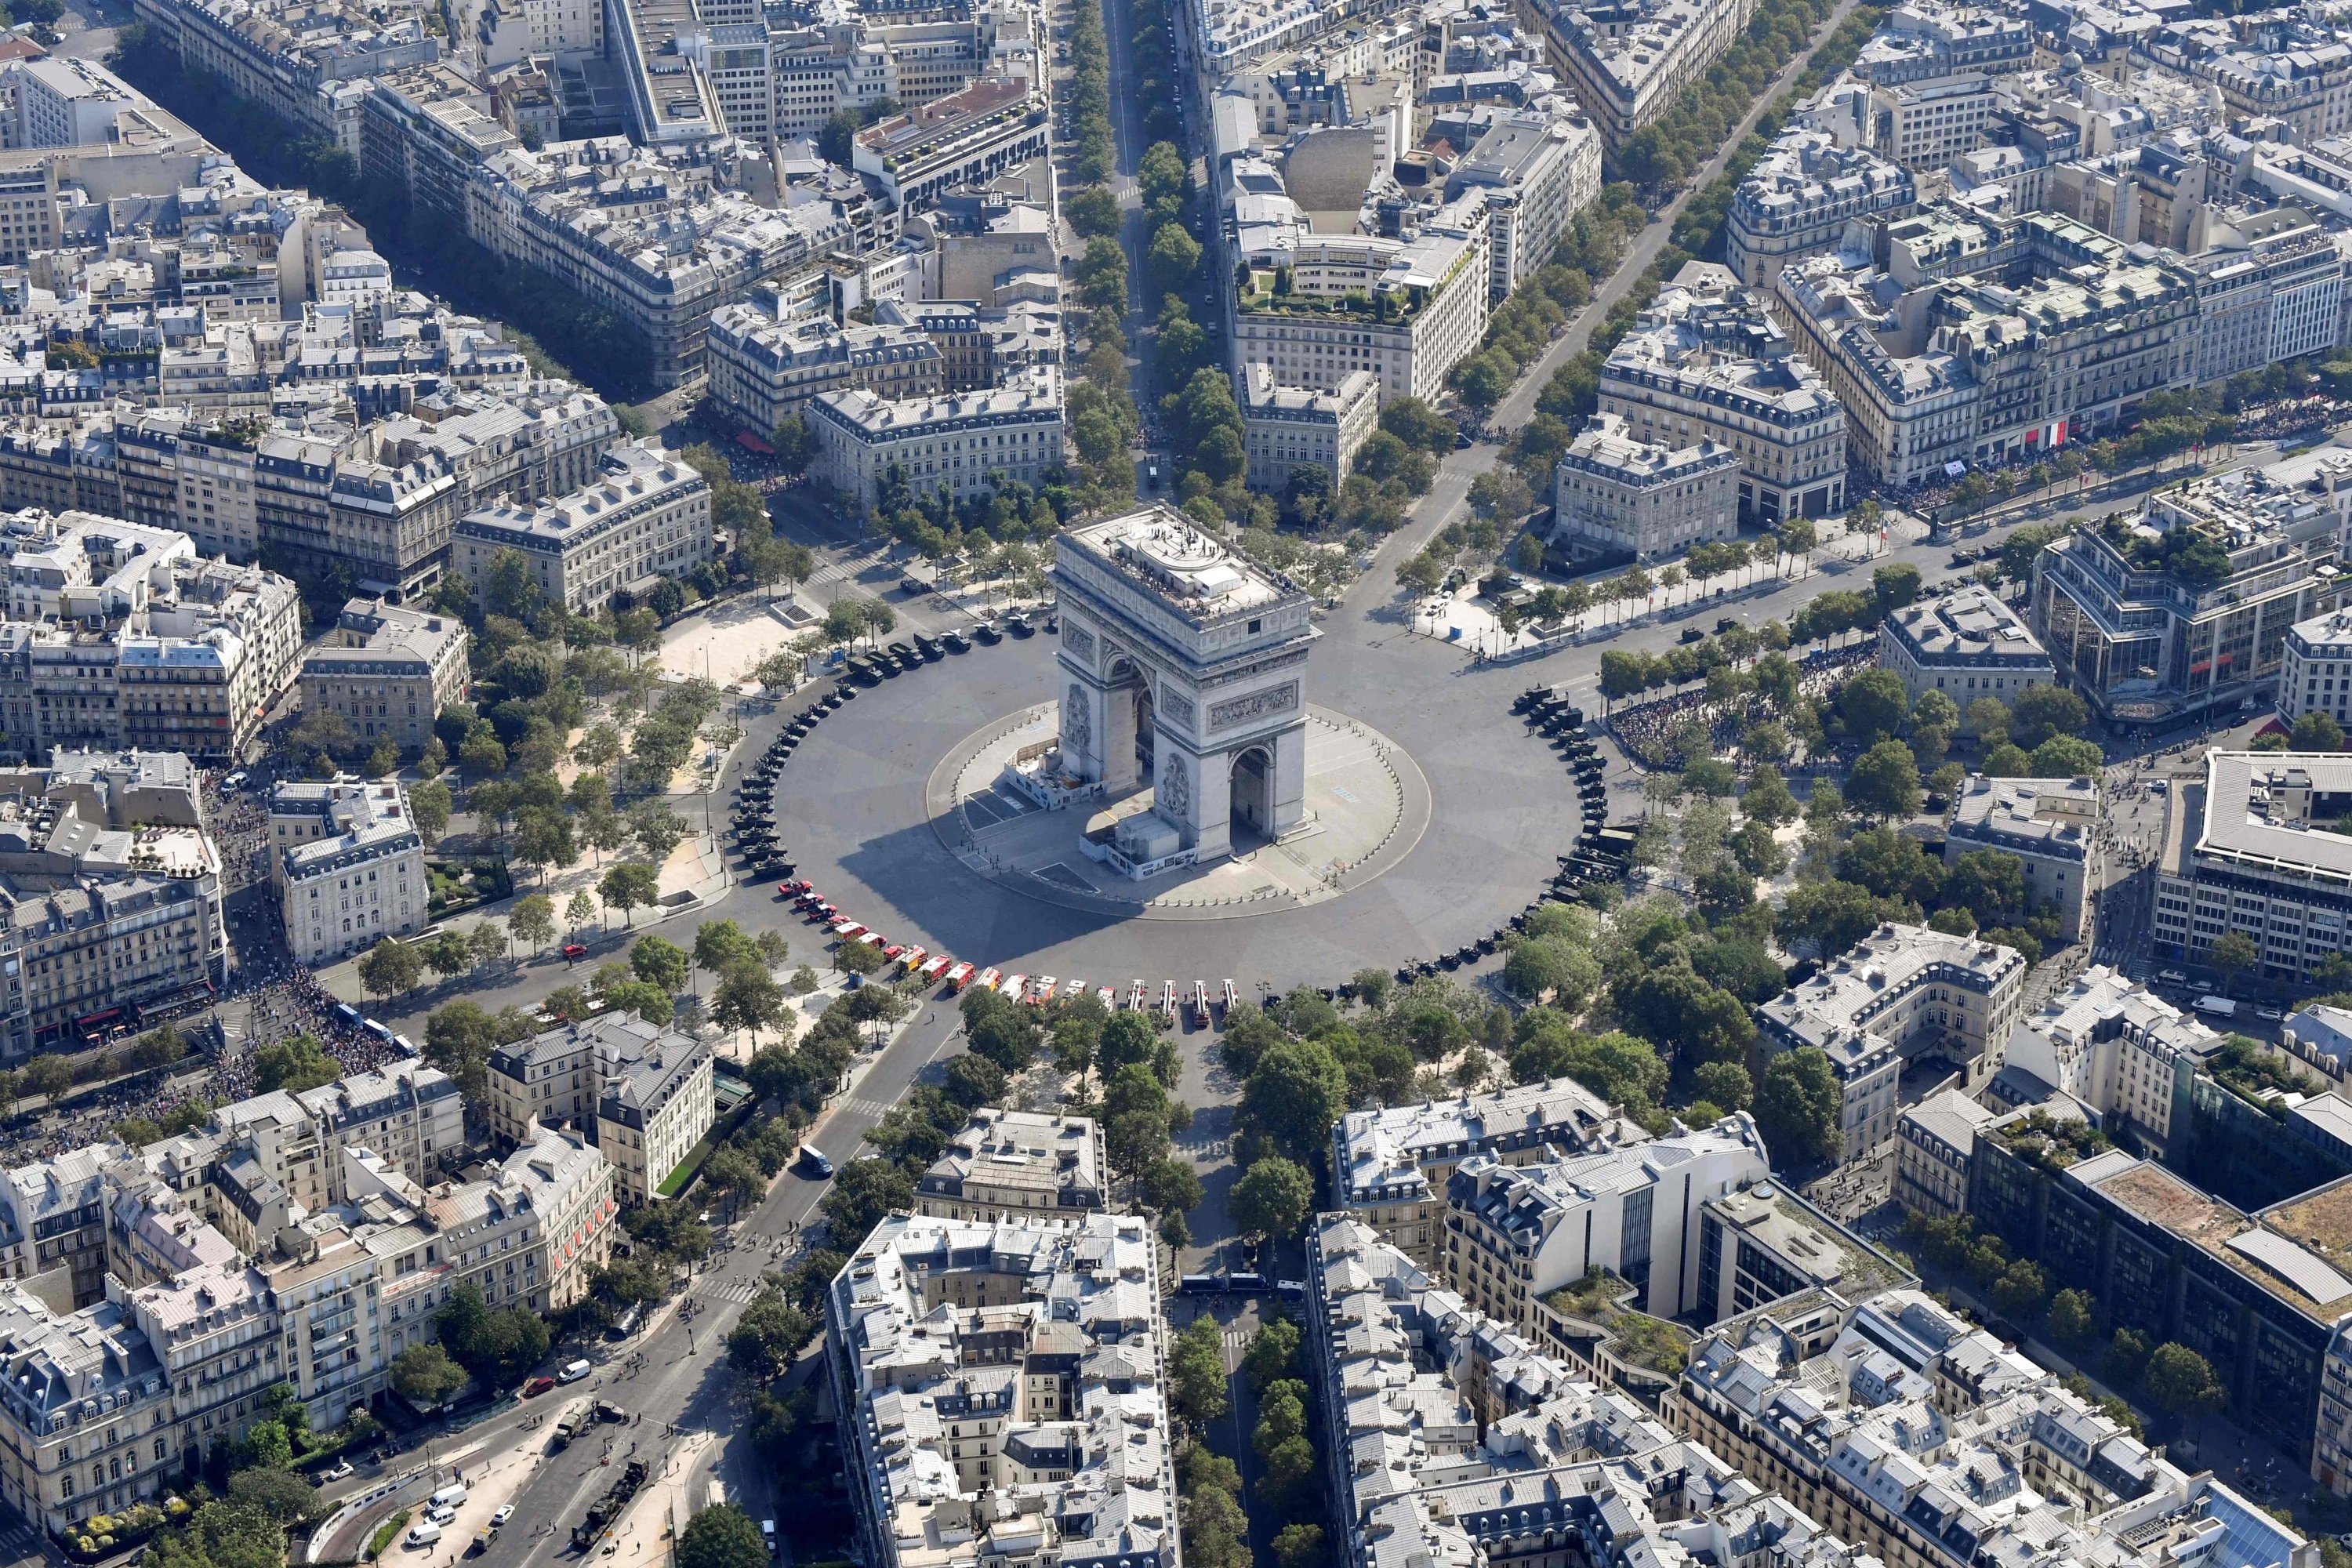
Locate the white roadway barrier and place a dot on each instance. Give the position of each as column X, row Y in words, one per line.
column 317, row 1547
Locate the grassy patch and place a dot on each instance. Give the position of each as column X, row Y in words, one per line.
column 384, row 1536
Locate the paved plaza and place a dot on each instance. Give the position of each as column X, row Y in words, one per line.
column 1465, row 833
column 1367, row 807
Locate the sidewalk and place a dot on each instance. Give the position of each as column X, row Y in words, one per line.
column 1463, row 617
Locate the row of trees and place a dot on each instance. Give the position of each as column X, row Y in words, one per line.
column 1216, row 1529
column 561, row 332
column 2169, row 1377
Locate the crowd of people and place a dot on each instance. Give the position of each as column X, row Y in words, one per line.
column 1647, row 728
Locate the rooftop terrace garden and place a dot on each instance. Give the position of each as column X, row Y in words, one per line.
column 2053, row 1142
column 2246, row 1069
column 1635, row 1337
column 2185, row 553
column 1272, row 291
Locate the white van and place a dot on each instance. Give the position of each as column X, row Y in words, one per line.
column 451, row 1496
column 424, row 1535
column 574, row 1372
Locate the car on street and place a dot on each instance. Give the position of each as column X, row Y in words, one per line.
column 504, row 1512
column 339, row 1471
column 536, row 1386
column 2268, row 1015
column 574, row 950
column 2171, row 977
column 815, row 1161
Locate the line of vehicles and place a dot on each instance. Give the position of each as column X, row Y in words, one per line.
column 1200, row 1002
column 2212, row 1005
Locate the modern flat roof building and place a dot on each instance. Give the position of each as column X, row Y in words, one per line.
column 2188, row 609
column 1515, row 1234
column 2245, row 851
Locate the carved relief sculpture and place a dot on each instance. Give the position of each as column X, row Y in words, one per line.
column 1256, row 705
column 1077, row 723
column 1173, row 793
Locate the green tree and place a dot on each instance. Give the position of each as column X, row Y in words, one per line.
column 628, row 886
column 533, row 920
column 1797, row 1106
column 1196, row 1373
column 2316, row 731
column 1873, row 705
column 294, row 1064
column 2070, row 1319
column 2181, row 1383
column 769, row 1337
column 722, row 1536
column 2066, row 757
column 428, row 807
column 1766, row 798
column 863, row 1193
column 1271, row 1199
column 1884, row 782
column 390, row 968
column 1272, row 1352
column 284, row 1496
column 658, row 963
column 2231, row 952
column 1174, row 257
column 2019, row 1292
column 1299, row 1546
column 425, row 1376
column 2042, row 711
column 1293, row 1095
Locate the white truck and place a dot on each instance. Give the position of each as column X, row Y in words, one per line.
column 2217, row 1007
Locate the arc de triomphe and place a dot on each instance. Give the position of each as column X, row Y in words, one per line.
column 1184, row 665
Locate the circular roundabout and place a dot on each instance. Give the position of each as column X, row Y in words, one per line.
column 1396, row 805
column 1366, row 804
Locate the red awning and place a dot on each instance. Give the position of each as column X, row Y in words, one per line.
column 751, row 443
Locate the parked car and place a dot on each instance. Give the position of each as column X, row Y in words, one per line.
column 2268, row 1015
column 339, row 1471
column 536, row 1386
column 574, row 950
column 424, row 1535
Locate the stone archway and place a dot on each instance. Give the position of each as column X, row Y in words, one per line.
column 1252, row 807
column 1128, row 741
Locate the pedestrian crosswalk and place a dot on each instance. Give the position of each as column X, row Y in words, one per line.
column 739, row 1291
column 866, row 1106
